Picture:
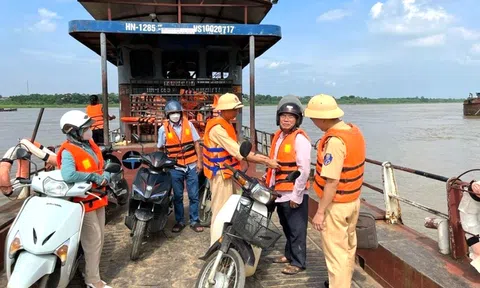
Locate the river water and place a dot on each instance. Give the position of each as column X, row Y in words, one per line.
column 431, row 137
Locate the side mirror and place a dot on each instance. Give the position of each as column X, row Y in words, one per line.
column 245, row 148
column 22, row 154
column 292, row 176
column 136, row 137
column 113, row 167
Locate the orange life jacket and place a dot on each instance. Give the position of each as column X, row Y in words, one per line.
column 173, row 145
column 351, row 178
column 214, row 158
column 84, row 162
column 286, row 158
column 95, row 112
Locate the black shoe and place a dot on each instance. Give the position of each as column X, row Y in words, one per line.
column 326, row 284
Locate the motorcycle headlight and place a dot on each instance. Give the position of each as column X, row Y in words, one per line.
column 159, row 194
column 54, row 187
column 137, row 193
column 262, row 194
column 15, row 246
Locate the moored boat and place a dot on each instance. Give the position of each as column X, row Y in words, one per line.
column 8, row 109
column 471, row 105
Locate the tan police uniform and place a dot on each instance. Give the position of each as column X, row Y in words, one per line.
column 336, row 162
column 340, row 220
column 221, row 188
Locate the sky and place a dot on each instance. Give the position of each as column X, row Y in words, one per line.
column 389, row 48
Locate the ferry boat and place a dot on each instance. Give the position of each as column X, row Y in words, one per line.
column 212, row 41
column 471, row 105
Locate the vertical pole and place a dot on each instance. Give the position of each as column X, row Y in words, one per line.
column 253, row 133
column 458, row 245
column 109, row 12
column 245, row 14
column 103, row 49
column 179, row 11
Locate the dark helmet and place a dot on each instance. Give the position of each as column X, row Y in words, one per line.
column 172, row 106
column 93, row 99
column 291, row 108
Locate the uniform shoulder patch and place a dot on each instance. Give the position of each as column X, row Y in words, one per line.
column 327, row 159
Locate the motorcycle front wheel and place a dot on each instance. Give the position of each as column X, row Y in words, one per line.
column 205, row 211
column 230, row 272
column 138, row 233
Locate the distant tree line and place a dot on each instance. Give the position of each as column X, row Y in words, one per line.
column 55, row 99
column 352, row 99
column 78, row 99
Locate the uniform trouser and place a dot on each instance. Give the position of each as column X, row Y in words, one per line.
column 221, row 190
column 294, row 222
column 92, row 243
column 339, row 242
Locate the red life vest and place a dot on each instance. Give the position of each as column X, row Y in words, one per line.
column 286, row 158
column 351, row 178
column 214, row 158
column 173, row 145
column 84, row 162
column 95, row 112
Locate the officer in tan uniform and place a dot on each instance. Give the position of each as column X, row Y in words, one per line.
column 338, row 182
column 220, row 148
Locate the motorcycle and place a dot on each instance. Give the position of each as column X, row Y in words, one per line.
column 205, row 201
column 242, row 229
column 151, row 200
column 42, row 245
column 117, row 189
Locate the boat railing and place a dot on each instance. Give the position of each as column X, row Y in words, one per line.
column 451, row 237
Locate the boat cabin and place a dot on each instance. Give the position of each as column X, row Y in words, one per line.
column 190, row 51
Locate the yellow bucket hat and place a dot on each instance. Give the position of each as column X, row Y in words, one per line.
column 323, row 106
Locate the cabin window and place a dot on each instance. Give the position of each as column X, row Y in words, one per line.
column 142, row 64
column 180, row 64
column 218, row 64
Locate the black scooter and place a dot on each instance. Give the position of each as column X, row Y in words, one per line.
column 151, row 201
column 117, row 189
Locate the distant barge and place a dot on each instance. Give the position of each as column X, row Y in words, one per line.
column 8, row 109
column 471, row 105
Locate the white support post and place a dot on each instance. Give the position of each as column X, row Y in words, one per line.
column 393, row 213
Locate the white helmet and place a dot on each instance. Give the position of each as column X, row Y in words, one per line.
column 74, row 120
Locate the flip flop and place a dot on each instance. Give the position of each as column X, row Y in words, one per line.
column 178, row 227
column 291, row 270
column 197, row 227
column 281, row 260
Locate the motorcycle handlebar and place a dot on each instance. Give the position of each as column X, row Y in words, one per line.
column 24, row 181
column 100, row 191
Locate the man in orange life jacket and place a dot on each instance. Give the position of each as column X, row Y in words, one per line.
column 338, row 182
column 221, row 147
column 80, row 159
column 291, row 147
column 95, row 111
column 175, row 133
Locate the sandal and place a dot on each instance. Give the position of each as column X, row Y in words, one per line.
column 197, row 227
column 178, row 227
column 281, row 260
column 291, row 270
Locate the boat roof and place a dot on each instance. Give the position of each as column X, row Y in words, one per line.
column 174, row 36
column 192, row 11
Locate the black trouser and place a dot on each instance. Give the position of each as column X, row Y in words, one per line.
column 97, row 136
column 294, row 222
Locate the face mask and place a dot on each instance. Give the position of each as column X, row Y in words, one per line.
column 87, row 135
column 175, row 117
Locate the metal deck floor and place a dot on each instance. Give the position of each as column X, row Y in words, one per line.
column 170, row 260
